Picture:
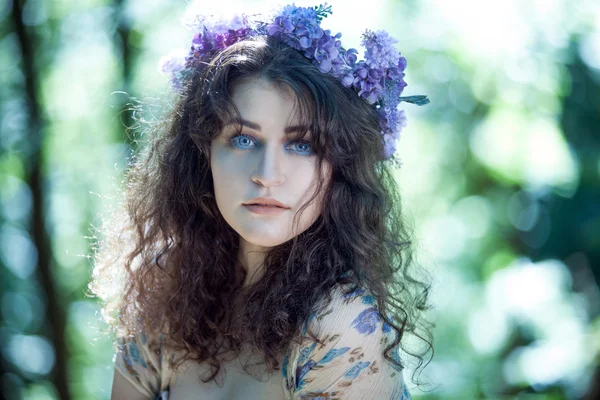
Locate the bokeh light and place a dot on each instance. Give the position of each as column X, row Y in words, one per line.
column 500, row 179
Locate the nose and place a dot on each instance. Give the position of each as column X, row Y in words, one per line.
column 269, row 171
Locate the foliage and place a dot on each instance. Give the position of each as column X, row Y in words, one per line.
column 501, row 173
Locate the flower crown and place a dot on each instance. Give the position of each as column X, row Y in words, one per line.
column 378, row 78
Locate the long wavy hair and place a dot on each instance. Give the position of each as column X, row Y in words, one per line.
column 168, row 261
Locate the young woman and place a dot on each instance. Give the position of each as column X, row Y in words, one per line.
column 261, row 253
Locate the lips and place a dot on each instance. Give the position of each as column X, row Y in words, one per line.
column 266, row 210
column 265, row 202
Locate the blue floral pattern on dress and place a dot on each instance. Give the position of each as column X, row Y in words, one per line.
column 355, row 293
column 368, row 299
column 305, row 353
column 346, row 362
column 356, row 369
column 405, row 394
column 284, row 366
column 333, row 353
column 134, row 354
column 302, row 370
column 386, row 328
column 366, row 322
column 396, row 357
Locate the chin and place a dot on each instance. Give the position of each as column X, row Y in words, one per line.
column 264, row 241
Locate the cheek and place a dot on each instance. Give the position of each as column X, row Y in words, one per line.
column 219, row 173
column 225, row 162
column 311, row 187
column 326, row 176
column 223, row 174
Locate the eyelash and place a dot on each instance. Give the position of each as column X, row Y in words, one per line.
column 232, row 143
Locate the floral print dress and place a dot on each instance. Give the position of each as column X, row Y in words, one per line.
column 348, row 362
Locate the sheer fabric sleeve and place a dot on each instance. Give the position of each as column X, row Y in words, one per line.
column 349, row 363
column 140, row 361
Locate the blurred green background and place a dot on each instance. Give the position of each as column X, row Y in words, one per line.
column 501, row 179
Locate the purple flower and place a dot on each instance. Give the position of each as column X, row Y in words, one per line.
column 368, row 81
column 326, row 53
column 173, row 65
column 402, row 63
column 370, row 89
column 350, row 57
column 172, row 62
column 338, row 67
column 324, row 65
column 389, row 145
column 380, row 51
column 213, row 34
column 401, row 123
column 299, row 27
column 379, row 78
column 376, row 74
column 347, row 80
column 305, row 42
column 394, row 73
column 372, row 96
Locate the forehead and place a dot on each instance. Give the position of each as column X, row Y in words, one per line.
column 269, row 107
column 256, row 94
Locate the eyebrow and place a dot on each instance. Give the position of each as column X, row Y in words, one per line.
column 257, row 127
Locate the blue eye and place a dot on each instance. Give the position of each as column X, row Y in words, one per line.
column 242, row 141
column 303, row 147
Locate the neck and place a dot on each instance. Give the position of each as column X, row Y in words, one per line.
column 252, row 258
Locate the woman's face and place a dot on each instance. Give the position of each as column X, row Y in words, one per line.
column 264, row 161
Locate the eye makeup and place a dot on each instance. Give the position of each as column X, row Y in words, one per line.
column 242, row 141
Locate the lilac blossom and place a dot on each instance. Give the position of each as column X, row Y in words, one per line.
column 173, row 64
column 380, row 51
column 378, row 79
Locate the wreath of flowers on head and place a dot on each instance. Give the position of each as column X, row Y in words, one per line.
column 379, row 78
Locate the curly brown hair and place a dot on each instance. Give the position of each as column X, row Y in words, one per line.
column 168, row 260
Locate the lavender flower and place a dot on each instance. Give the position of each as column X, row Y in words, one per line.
column 401, row 123
column 379, row 78
column 368, row 82
column 326, row 53
column 298, row 27
column 389, row 145
column 173, row 64
column 213, row 34
column 350, row 57
column 380, row 51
